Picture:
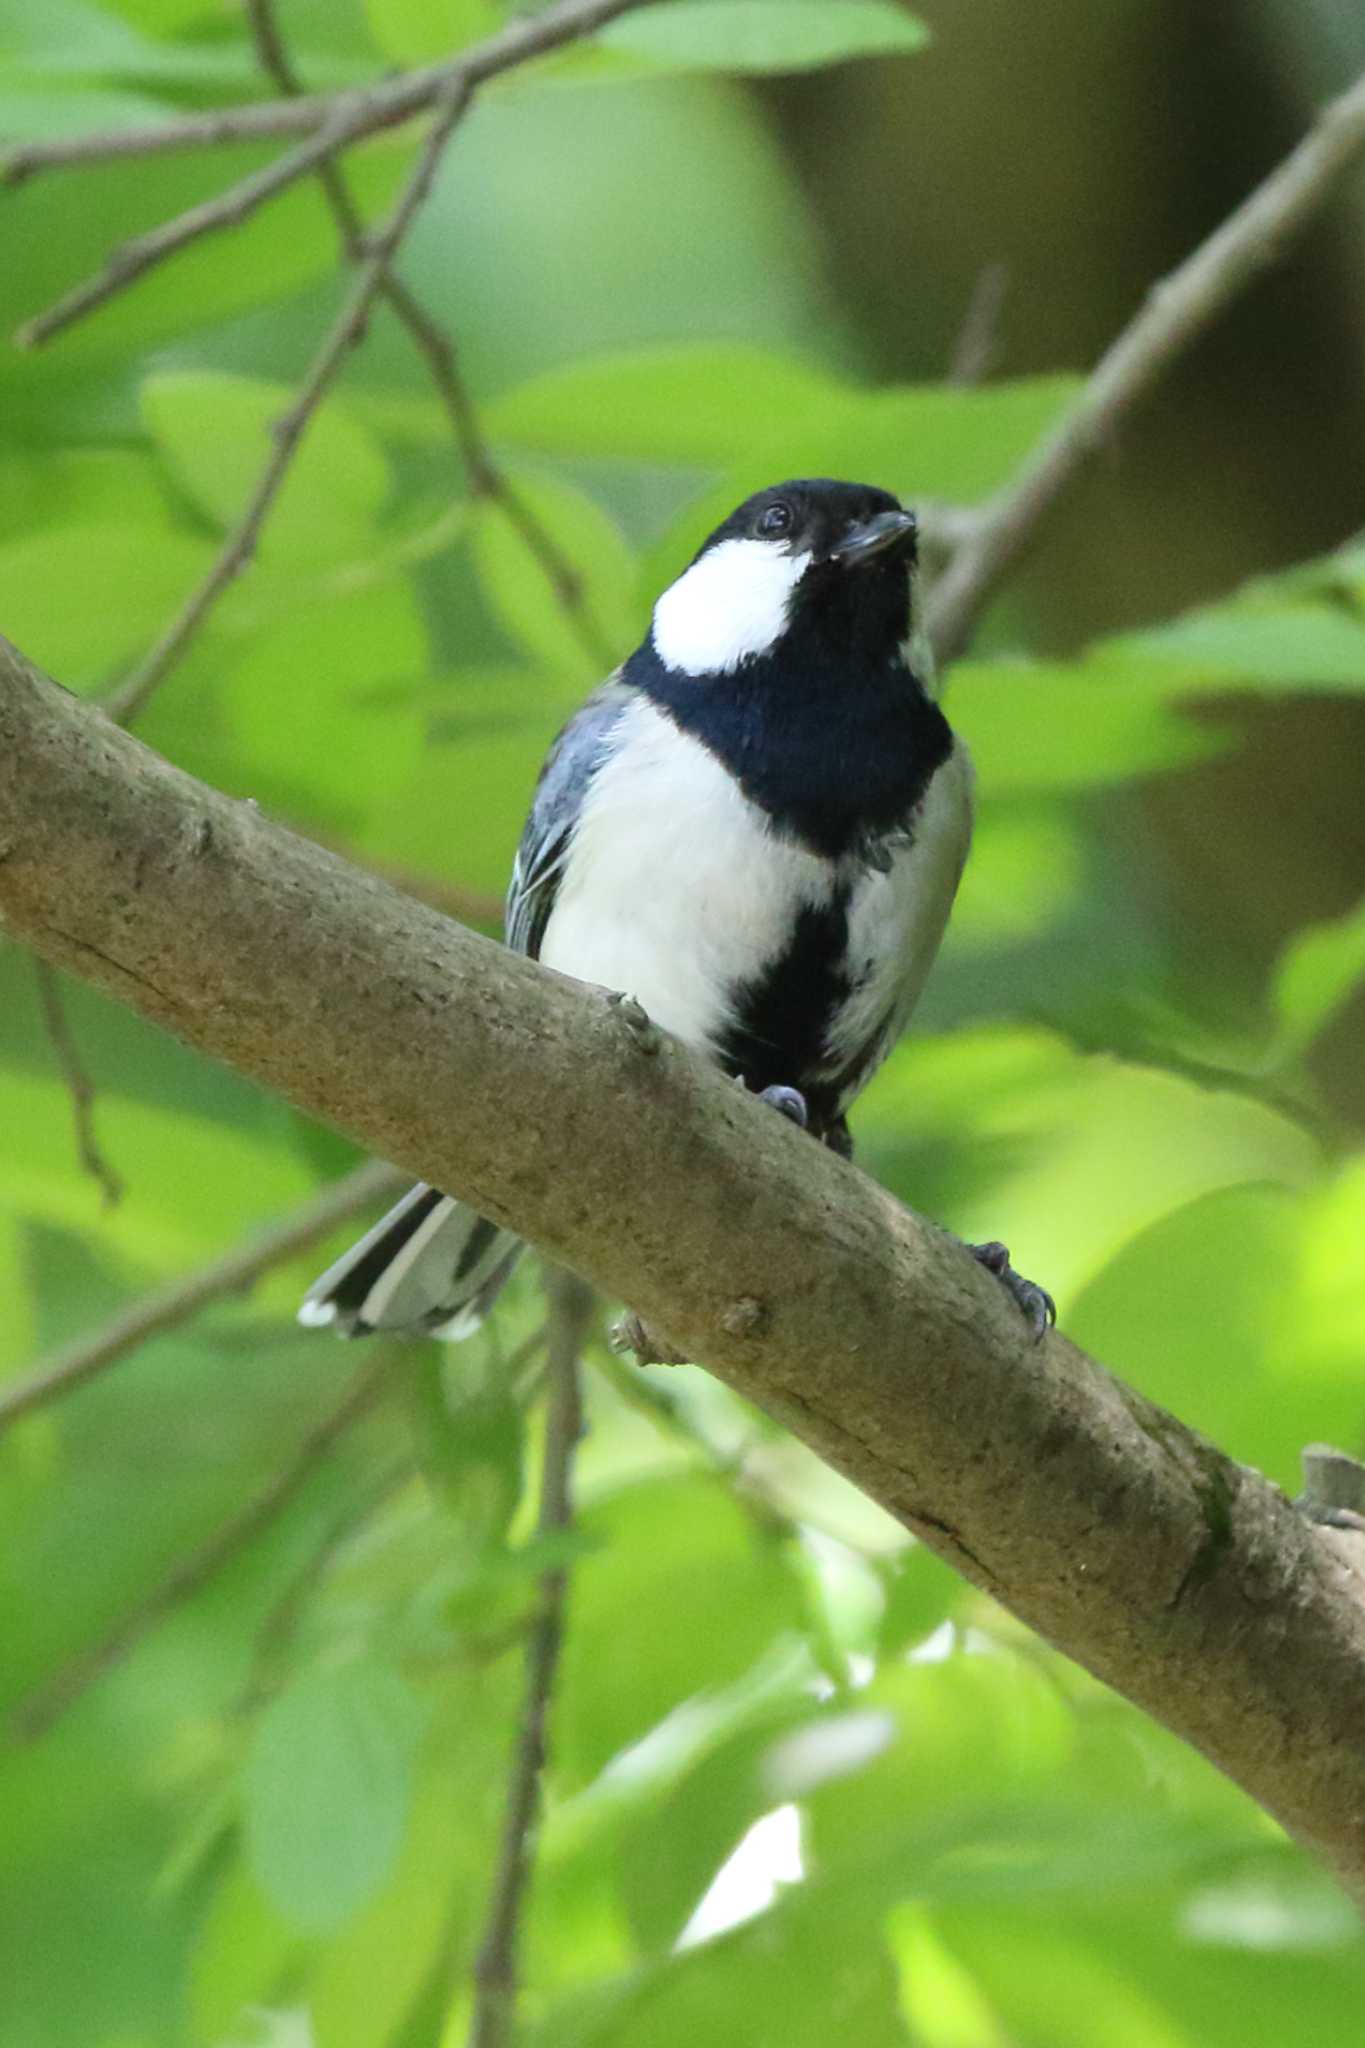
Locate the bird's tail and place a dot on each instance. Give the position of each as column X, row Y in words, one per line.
column 430, row 1267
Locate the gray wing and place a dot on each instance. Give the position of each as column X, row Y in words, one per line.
column 570, row 766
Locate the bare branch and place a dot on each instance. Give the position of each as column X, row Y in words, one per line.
column 1175, row 313
column 1164, row 1567
column 438, row 350
column 79, row 1086
column 236, row 1271
column 35, row 1715
column 495, row 1970
column 133, row 259
column 978, row 338
column 358, row 112
column 346, row 332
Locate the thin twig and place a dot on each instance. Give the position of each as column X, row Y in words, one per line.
column 979, row 335
column 35, row 1715
column 353, row 113
column 168, row 1306
column 495, row 1970
column 1174, row 314
column 79, row 1085
column 134, row 258
column 486, row 478
column 345, row 333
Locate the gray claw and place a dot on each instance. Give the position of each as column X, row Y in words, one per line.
column 788, row 1102
column 1035, row 1304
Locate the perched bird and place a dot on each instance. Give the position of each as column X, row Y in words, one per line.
column 755, row 828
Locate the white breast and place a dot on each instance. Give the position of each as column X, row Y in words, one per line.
column 675, row 890
column 897, row 919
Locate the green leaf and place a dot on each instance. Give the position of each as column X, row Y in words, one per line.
column 215, row 431
column 131, row 577
column 1317, row 973
column 1283, row 647
column 970, row 1732
column 682, row 1593
column 66, row 33
column 326, row 1790
column 521, row 593
column 1055, row 725
column 158, row 17
column 921, row 1592
column 418, row 31
column 286, row 245
column 1098, row 1148
column 764, row 35
column 314, row 712
column 746, row 410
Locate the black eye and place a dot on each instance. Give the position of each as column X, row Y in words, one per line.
column 775, row 519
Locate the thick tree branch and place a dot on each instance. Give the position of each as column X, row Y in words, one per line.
column 1175, row 313
column 1185, row 1581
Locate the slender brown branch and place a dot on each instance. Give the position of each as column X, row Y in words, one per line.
column 979, row 335
column 495, row 1969
column 169, row 1306
column 359, row 112
column 1174, row 314
column 133, row 259
column 79, row 1086
column 437, row 349
column 35, row 1715
column 346, row 332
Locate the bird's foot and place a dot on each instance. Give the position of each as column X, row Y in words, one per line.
column 1034, row 1303
column 788, row 1102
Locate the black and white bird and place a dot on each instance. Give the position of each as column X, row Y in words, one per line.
column 755, row 828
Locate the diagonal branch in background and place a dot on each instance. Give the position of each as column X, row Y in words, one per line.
column 169, row 1306
column 493, row 2023
column 135, row 258
column 1174, row 315
column 35, row 1715
column 346, row 332
column 438, row 351
column 352, row 113
column 79, row 1085
column 1178, row 1576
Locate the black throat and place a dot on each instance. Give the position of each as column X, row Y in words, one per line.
column 837, row 744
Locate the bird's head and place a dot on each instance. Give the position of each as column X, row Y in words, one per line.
column 802, row 567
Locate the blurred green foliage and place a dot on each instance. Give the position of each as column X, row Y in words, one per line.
column 804, row 1785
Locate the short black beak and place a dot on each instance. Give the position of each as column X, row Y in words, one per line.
column 864, row 543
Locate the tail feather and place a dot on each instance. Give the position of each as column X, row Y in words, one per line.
column 430, row 1266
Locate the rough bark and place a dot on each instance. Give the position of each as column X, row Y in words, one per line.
column 1183, row 1580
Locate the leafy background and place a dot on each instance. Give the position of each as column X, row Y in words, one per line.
column 804, row 1785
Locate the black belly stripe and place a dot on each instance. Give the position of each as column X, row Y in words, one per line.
column 780, row 1036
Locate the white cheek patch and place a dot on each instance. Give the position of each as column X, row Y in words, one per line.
column 727, row 607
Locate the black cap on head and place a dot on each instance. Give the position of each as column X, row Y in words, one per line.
column 829, row 520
